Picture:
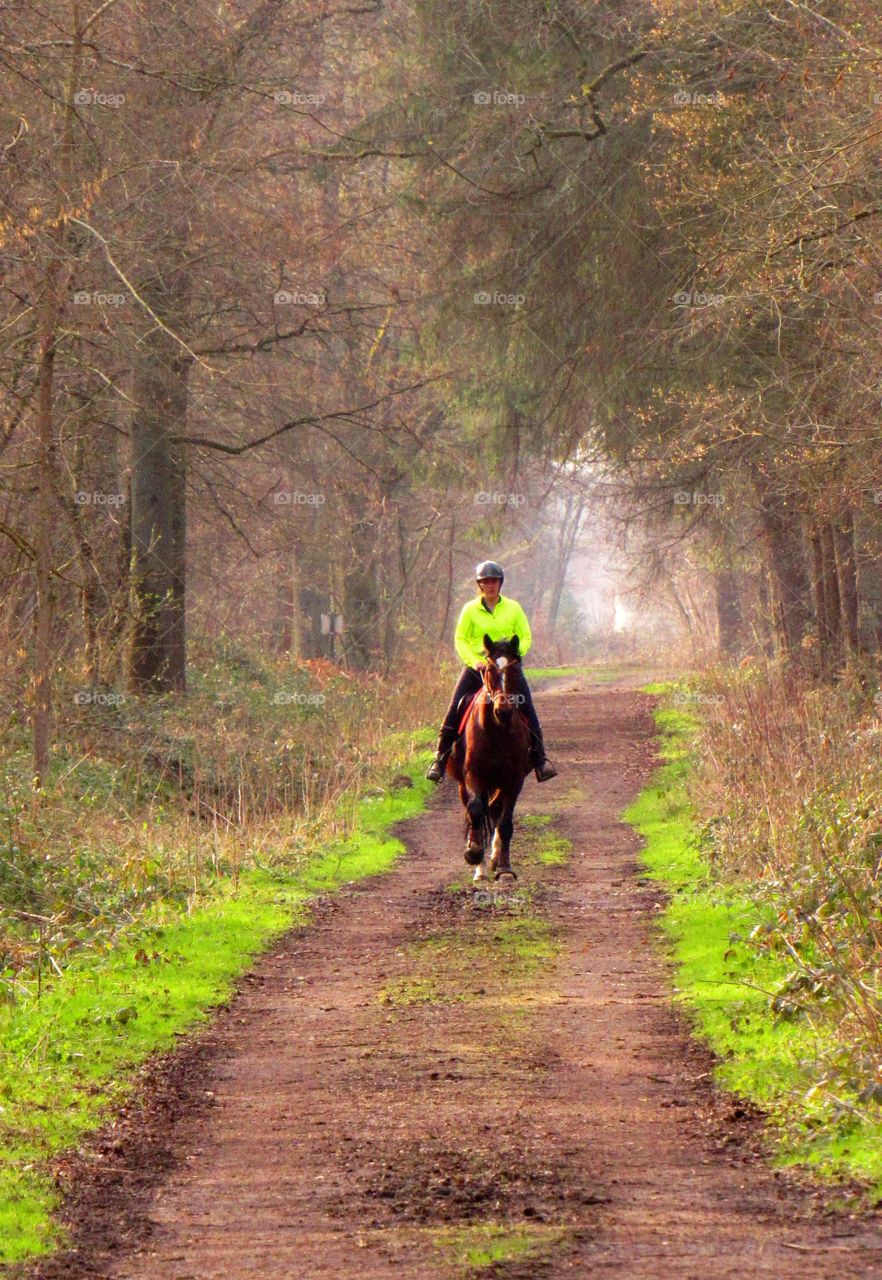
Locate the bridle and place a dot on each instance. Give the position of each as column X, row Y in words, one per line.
column 501, row 700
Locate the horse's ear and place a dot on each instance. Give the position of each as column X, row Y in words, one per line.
column 488, row 645
column 516, row 642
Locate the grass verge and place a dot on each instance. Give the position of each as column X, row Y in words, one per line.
column 69, row 1056
column 600, row 674
column 484, row 1248
column 730, row 989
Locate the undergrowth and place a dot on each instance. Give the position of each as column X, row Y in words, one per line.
column 159, row 801
column 748, row 931
column 174, row 838
column 69, row 1051
column 788, row 786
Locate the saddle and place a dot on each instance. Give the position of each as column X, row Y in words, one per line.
column 464, row 707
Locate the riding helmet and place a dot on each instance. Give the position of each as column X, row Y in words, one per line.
column 489, row 569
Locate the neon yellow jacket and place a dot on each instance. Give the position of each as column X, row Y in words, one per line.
column 476, row 621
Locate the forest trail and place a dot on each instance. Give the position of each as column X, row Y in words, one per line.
column 422, row 1064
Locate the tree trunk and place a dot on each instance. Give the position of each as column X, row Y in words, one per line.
column 56, row 282
column 44, row 611
column 90, row 578
column 765, row 629
column 158, row 515
column 819, row 593
column 781, row 526
column 868, row 558
column 843, row 537
column 728, row 601
column 831, row 590
column 121, row 589
column 292, row 622
column 360, row 605
column 569, row 531
column 448, row 590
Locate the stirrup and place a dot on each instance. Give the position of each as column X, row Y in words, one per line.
column 437, row 769
column 544, row 771
column 439, row 764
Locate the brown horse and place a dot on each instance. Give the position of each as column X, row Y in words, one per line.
column 491, row 760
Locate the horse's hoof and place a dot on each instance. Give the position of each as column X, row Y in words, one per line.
column 480, row 875
column 506, row 871
column 474, row 854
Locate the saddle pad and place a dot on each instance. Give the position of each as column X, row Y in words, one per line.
column 468, row 709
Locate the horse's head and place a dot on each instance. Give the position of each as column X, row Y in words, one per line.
column 501, row 676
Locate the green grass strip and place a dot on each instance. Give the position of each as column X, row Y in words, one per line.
column 726, row 984
column 487, row 1248
column 599, row 674
column 68, row 1059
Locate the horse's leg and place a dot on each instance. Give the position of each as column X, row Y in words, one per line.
column 502, row 838
column 474, row 803
column 497, row 809
column 464, row 797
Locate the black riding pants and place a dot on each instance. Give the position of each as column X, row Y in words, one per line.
column 469, row 681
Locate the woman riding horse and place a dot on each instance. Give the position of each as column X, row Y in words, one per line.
column 499, row 617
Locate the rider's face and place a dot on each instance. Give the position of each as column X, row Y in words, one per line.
column 490, row 587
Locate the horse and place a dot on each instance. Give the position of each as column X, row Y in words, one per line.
column 491, row 760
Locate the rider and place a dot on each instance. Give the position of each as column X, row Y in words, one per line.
column 500, row 618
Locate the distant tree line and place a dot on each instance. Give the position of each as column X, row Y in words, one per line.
column 305, row 307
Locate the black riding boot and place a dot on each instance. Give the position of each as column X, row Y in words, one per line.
column 544, row 770
column 542, row 765
column 446, row 739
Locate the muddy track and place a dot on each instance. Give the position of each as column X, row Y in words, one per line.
column 422, row 1065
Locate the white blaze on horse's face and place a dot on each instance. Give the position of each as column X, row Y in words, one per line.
column 503, row 703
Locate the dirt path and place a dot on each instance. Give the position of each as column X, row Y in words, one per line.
column 422, row 1064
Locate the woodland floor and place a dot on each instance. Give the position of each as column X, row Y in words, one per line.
column 422, row 1065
